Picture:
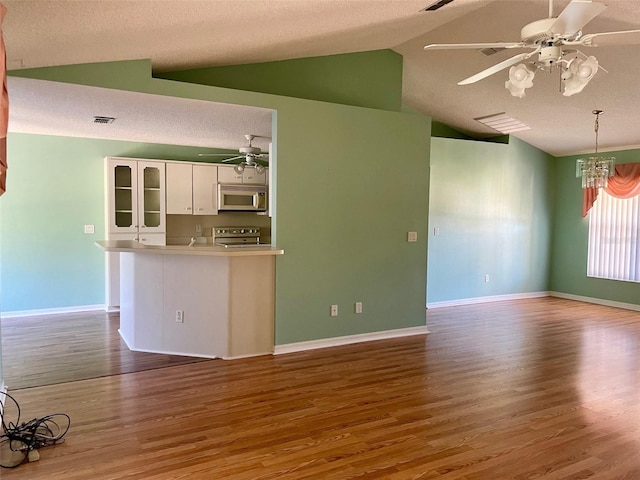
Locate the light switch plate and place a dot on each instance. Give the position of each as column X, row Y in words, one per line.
column 412, row 236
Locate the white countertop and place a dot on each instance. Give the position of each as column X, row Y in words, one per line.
column 131, row 246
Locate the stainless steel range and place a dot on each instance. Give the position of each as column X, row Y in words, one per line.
column 236, row 236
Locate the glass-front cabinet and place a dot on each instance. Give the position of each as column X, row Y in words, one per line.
column 136, row 199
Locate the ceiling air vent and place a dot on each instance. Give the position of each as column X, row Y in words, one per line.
column 436, row 5
column 103, row 119
column 491, row 51
column 503, row 123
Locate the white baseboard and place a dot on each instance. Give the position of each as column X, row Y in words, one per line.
column 53, row 311
column 248, row 355
column 597, row 301
column 336, row 341
column 163, row 352
column 493, row 298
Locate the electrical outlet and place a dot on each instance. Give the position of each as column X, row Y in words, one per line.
column 334, row 310
column 358, row 307
column 179, row 316
column 89, row 229
column 412, row 236
column 198, row 228
column 486, row 278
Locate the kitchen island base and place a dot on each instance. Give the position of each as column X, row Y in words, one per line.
column 212, row 306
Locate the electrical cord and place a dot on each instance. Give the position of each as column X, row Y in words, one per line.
column 20, row 441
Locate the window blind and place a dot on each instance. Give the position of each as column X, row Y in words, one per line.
column 614, row 238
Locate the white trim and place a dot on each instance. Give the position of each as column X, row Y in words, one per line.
column 3, row 398
column 247, row 355
column 349, row 339
column 163, row 352
column 53, row 311
column 493, row 298
column 597, row 301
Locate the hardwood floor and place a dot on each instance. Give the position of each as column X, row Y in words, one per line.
column 541, row 388
column 52, row 349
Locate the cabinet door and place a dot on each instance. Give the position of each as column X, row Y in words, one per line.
column 179, row 190
column 205, row 190
column 250, row 176
column 226, row 174
column 152, row 238
column 122, row 196
column 151, row 197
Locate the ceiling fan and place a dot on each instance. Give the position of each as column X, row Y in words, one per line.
column 249, row 154
column 553, row 42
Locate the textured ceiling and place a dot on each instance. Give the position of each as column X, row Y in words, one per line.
column 188, row 33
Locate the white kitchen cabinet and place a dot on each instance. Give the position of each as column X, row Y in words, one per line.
column 135, row 204
column 135, row 196
column 227, row 174
column 205, row 190
column 192, row 189
column 179, row 189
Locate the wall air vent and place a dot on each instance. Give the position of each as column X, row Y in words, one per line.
column 103, row 119
column 503, row 123
column 436, row 5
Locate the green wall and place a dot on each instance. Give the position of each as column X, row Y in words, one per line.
column 570, row 242
column 55, row 187
column 365, row 79
column 492, row 205
column 350, row 182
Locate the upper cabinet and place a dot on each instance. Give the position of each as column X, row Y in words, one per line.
column 192, row 189
column 227, row 174
column 135, row 196
column 205, row 190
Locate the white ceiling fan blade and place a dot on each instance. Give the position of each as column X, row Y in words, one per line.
column 604, row 39
column 577, row 14
column 495, row 69
column 477, row 46
column 234, row 158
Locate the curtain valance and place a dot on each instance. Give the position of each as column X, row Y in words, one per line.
column 624, row 184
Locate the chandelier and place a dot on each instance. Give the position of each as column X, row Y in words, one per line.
column 596, row 170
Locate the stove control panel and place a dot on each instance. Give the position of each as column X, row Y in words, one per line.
column 236, row 232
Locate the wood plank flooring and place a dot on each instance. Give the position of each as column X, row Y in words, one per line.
column 50, row 349
column 532, row 389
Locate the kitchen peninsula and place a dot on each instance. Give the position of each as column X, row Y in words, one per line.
column 202, row 300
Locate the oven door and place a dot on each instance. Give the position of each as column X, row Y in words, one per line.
column 247, row 198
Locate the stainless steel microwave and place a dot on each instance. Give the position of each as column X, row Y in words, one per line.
column 242, row 198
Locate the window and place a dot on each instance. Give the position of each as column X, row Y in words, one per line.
column 614, row 238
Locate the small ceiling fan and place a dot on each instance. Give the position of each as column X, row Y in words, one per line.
column 249, row 154
column 553, row 42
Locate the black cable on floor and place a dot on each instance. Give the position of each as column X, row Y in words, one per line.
column 20, row 441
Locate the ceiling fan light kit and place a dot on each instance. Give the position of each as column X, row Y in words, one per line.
column 595, row 171
column 249, row 154
column 520, row 78
column 553, row 41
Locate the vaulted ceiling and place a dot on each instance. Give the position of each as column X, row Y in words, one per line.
column 198, row 33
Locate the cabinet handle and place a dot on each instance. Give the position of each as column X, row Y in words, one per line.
column 200, row 209
column 188, row 208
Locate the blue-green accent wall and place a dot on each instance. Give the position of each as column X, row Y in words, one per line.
column 492, row 204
